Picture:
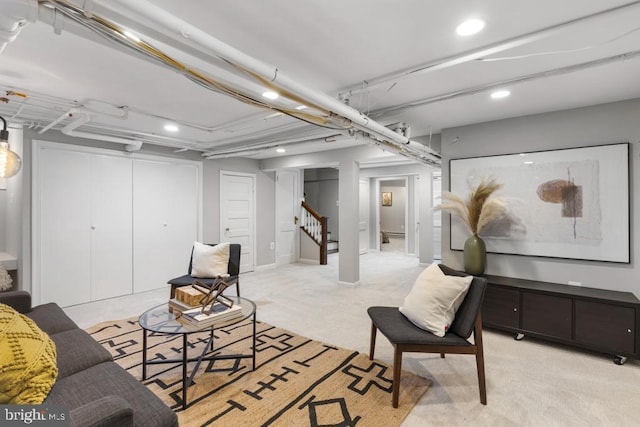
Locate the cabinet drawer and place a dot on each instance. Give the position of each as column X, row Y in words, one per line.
column 501, row 307
column 605, row 326
column 547, row 315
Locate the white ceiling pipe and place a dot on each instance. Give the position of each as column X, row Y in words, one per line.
column 230, row 155
column 14, row 14
column 56, row 121
column 186, row 34
column 249, row 146
column 259, row 149
column 509, row 82
column 83, row 118
column 60, row 22
column 271, row 144
column 482, row 52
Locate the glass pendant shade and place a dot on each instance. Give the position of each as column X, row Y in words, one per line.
column 10, row 162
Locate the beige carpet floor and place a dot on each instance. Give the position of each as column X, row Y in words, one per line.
column 529, row 382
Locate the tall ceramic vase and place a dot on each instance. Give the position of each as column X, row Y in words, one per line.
column 475, row 256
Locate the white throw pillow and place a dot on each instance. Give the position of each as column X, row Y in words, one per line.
column 434, row 300
column 209, row 261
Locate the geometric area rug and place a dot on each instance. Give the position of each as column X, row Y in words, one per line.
column 297, row 381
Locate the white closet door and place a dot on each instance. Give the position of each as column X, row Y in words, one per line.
column 111, row 227
column 65, row 228
column 182, row 213
column 165, row 221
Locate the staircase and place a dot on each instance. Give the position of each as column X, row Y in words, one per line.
column 332, row 245
column 315, row 226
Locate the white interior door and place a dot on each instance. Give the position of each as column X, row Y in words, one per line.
column 287, row 211
column 111, row 227
column 63, row 269
column 237, row 214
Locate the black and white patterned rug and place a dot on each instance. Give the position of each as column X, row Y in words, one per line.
column 297, row 381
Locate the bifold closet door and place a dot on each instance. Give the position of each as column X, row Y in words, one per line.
column 111, row 227
column 165, row 221
column 65, row 227
column 85, row 226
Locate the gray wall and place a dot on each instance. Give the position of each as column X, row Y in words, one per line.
column 596, row 125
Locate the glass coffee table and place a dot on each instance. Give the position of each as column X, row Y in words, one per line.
column 163, row 320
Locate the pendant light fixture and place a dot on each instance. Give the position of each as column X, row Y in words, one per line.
column 10, row 162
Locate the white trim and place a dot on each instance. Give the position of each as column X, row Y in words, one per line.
column 264, row 267
column 350, row 284
column 253, row 176
column 309, row 261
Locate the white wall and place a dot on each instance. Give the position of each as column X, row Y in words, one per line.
column 392, row 218
column 596, row 125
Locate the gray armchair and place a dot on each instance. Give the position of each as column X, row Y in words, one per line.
column 233, row 269
column 406, row 337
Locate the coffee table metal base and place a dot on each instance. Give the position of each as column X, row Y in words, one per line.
column 208, row 348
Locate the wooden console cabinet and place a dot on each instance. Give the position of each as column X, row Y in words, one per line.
column 593, row 319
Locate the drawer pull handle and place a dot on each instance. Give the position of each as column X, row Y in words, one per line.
column 629, row 330
column 515, row 309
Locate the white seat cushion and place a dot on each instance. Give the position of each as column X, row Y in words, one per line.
column 434, row 299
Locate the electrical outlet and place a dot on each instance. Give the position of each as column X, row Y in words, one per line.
column 574, row 283
column 273, row 245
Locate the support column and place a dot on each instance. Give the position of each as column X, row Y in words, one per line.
column 424, row 185
column 348, row 223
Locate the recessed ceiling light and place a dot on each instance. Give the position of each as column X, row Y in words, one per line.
column 171, row 128
column 470, row 27
column 281, row 150
column 270, row 94
column 301, row 107
column 528, row 162
column 500, row 94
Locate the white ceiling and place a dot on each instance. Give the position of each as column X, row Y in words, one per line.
column 329, row 46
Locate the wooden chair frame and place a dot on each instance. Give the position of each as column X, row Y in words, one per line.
column 476, row 348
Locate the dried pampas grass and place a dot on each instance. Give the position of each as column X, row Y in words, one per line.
column 481, row 207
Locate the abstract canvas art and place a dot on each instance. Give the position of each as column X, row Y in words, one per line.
column 569, row 203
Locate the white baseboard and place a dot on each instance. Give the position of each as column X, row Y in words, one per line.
column 264, row 267
column 309, row 261
column 351, row 284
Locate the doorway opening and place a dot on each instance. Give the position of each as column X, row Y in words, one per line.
column 393, row 215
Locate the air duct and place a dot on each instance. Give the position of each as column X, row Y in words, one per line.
column 83, row 118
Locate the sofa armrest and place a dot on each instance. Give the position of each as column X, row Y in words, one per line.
column 19, row 300
column 108, row 411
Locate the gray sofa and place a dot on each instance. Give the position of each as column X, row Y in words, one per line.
column 95, row 390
